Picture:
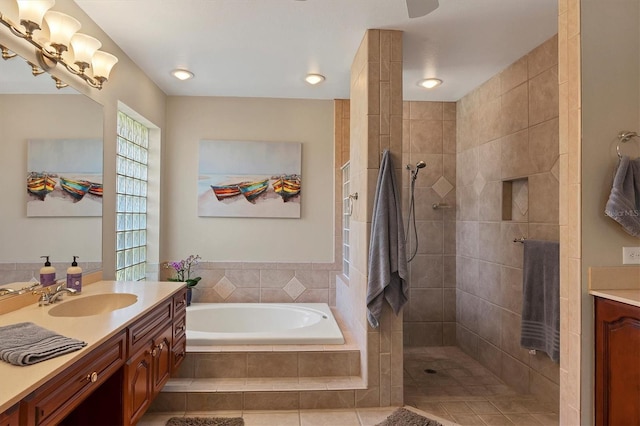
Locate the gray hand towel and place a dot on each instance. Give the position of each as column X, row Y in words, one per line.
column 26, row 343
column 623, row 205
column 541, row 297
column 387, row 256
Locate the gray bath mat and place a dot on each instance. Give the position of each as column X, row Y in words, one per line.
column 205, row 421
column 404, row 417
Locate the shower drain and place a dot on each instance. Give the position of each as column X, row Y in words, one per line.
column 430, row 371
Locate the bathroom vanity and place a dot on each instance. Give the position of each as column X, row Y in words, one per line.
column 130, row 354
column 617, row 351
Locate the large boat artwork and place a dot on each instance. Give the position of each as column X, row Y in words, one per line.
column 286, row 186
column 40, row 184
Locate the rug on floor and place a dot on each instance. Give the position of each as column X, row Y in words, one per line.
column 404, row 417
column 205, row 421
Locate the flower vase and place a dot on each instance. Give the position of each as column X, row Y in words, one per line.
column 189, row 291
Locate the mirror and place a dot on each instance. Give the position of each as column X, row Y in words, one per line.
column 31, row 108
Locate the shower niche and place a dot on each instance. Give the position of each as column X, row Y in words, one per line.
column 515, row 200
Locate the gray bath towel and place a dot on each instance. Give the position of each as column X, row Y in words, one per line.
column 26, row 343
column 541, row 297
column 623, row 205
column 387, row 257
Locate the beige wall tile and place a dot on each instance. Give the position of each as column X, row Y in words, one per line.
column 427, row 111
column 543, row 198
column 514, row 75
column 271, row 401
column 214, row 401
column 516, row 161
column 543, row 96
column 515, row 109
column 543, row 57
column 426, row 136
column 544, row 144
column 327, row 399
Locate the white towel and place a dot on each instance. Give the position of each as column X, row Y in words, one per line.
column 26, row 343
column 387, row 257
column 623, row 205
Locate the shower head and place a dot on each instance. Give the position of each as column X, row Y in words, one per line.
column 414, row 173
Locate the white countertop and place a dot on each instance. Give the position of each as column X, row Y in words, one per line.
column 17, row 382
column 630, row 297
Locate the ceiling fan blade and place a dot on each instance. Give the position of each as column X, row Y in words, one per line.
column 418, row 8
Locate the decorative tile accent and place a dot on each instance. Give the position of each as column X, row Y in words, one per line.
column 478, row 183
column 521, row 199
column 442, row 187
column 294, row 288
column 224, row 288
column 555, row 170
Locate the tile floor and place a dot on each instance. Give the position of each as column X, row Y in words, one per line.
column 448, row 383
column 461, row 391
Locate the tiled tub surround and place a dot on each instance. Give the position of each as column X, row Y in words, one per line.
column 507, row 130
column 260, row 377
column 257, row 282
column 20, row 271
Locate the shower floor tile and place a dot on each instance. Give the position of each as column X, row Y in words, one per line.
column 447, row 382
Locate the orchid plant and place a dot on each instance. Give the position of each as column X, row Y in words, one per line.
column 183, row 270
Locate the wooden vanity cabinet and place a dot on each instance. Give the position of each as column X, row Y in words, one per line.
column 617, row 362
column 151, row 361
column 114, row 383
column 11, row 417
column 51, row 403
column 179, row 342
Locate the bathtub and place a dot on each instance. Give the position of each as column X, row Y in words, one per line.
column 211, row 324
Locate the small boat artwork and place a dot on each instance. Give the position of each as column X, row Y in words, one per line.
column 252, row 190
column 76, row 188
column 40, row 184
column 287, row 186
column 95, row 189
column 225, row 191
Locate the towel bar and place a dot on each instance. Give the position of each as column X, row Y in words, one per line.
column 623, row 137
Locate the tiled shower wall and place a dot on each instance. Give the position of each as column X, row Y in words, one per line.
column 429, row 135
column 507, row 139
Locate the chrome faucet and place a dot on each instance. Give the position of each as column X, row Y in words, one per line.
column 6, row 290
column 47, row 298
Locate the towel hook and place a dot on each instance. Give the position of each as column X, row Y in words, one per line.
column 623, row 137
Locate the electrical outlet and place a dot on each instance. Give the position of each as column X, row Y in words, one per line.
column 631, row 255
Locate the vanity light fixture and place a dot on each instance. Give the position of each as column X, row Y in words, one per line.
column 314, row 79
column 77, row 53
column 430, row 83
column 182, row 74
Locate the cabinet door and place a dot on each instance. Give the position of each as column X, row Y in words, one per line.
column 162, row 358
column 139, row 384
column 617, row 363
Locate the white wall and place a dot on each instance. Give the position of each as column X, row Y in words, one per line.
column 24, row 239
column 191, row 119
column 610, row 49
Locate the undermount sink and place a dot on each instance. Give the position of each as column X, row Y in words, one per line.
column 93, row 305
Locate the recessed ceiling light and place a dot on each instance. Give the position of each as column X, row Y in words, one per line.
column 430, row 83
column 181, row 74
column 314, row 79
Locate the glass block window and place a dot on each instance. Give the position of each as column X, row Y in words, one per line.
column 347, row 208
column 131, row 202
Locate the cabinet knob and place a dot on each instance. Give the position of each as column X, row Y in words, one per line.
column 182, row 302
column 93, row 377
column 154, row 352
column 160, row 346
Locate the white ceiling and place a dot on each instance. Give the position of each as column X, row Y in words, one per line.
column 264, row 48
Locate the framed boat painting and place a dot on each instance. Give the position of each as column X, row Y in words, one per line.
column 64, row 177
column 249, row 179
